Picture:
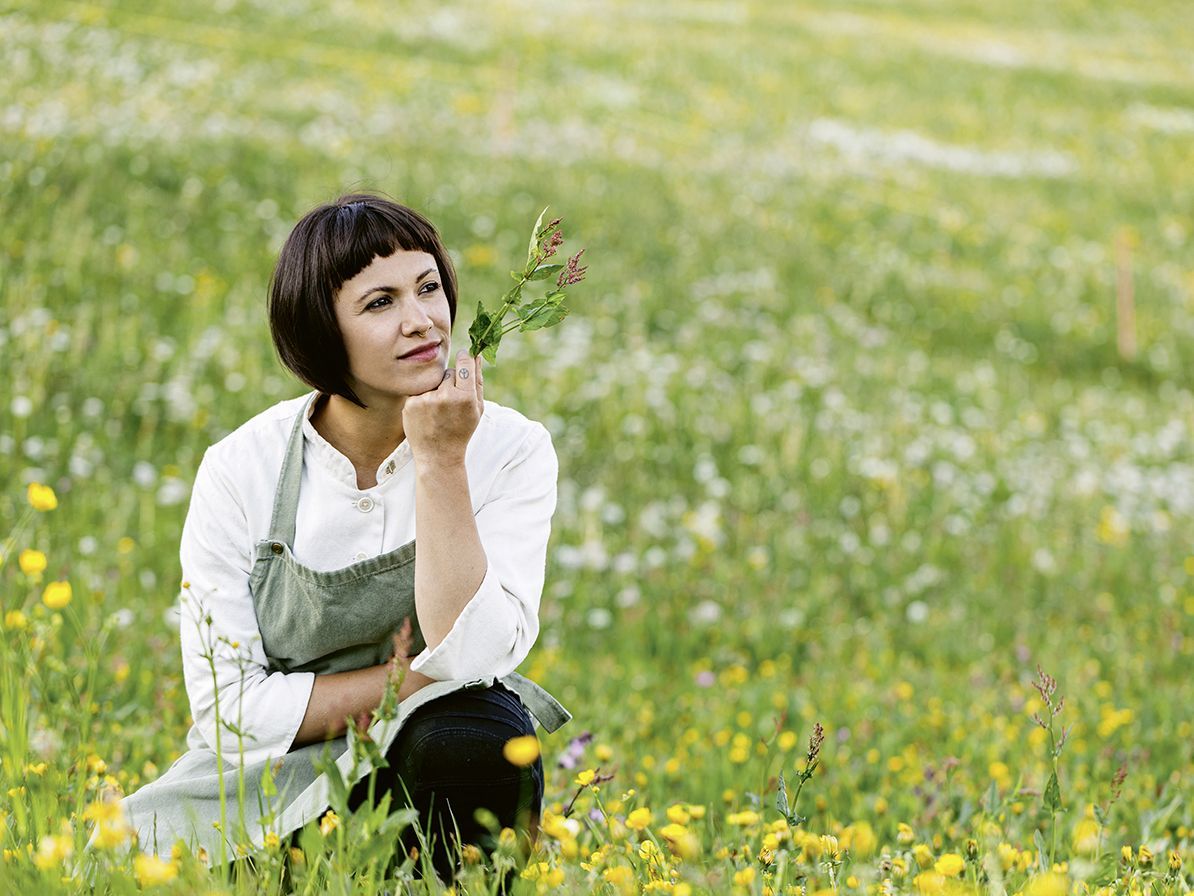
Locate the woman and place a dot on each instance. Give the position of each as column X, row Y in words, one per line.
column 299, row 561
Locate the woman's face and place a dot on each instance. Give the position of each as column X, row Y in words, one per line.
column 395, row 305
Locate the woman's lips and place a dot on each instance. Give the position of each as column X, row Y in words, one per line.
column 429, row 354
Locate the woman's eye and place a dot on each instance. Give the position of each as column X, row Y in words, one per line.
column 430, row 286
column 374, row 304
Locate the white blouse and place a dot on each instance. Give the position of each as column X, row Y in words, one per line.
column 512, row 471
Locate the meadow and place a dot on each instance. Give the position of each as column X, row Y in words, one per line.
column 847, row 433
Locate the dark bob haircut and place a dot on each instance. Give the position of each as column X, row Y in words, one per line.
column 330, row 245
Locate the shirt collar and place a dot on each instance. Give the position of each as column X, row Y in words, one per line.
column 339, row 466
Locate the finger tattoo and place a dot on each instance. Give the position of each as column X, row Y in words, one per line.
column 463, row 374
column 448, row 373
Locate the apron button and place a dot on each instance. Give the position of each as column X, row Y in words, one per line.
column 276, row 548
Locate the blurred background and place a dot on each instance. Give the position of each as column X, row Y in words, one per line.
column 877, row 395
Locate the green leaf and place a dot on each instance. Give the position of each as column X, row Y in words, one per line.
column 517, row 275
column 1043, row 852
column 489, row 353
column 554, row 297
column 545, row 270
column 535, row 235
column 544, row 316
column 1107, row 870
column 781, row 797
column 1052, row 797
column 992, row 799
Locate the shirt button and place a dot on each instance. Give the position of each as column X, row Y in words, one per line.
column 365, row 504
column 360, row 556
column 276, row 548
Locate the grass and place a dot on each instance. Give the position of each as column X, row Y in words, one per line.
column 843, row 430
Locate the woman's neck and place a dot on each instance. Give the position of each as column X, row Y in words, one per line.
column 366, row 436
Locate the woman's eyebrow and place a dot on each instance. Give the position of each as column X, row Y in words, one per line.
column 373, row 289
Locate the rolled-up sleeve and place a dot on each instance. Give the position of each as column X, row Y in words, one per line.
column 498, row 626
column 224, row 665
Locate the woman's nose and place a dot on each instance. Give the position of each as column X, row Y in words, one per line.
column 418, row 323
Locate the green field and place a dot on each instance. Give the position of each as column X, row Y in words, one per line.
column 845, row 432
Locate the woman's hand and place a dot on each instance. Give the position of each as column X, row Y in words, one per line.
column 438, row 424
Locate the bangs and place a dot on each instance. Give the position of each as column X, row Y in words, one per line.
column 361, row 230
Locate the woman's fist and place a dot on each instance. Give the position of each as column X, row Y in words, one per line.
column 438, row 424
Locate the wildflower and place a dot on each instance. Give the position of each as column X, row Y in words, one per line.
column 639, row 818
column 830, row 847
column 573, row 753
column 1175, row 860
column 572, row 272
column 859, row 838
column 53, row 851
column 546, row 876
column 1086, row 836
column 787, row 740
column 951, row 865
column 521, row 751
column 603, row 753
column 929, row 882
column 41, row 497
column 57, row 595
column 111, row 827
column 746, row 818
column 585, row 778
column 329, row 822
column 904, row 833
column 32, row 563
column 1126, row 855
column 1112, row 528
column 745, row 877
column 150, row 870
column 649, row 851
column 697, row 812
column 621, row 878
column 1050, row 884
column 1144, row 857
column 15, row 620
column 507, row 839
column 678, row 814
column 272, row 840
column 923, row 855
column 681, row 841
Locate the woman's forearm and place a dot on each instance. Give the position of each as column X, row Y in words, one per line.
column 338, row 696
column 450, row 562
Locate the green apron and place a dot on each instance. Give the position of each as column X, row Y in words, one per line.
column 310, row 621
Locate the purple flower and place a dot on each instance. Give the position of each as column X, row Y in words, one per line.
column 572, row 272
column 575, row 751
column 706, row 679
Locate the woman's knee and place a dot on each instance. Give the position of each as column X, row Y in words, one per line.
column 460, row 738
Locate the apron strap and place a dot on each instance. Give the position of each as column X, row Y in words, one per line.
column 281, row 527
column 542, row 705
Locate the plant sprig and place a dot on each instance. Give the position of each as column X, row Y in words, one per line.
column 488, row 328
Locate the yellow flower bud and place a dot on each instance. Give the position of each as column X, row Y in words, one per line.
column 32, row 563
column 521, row 751
column 41, row 497
column 57, row 595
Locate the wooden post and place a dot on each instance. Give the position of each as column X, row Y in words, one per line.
column 1125, row 298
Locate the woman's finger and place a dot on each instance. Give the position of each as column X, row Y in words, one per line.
column 466, row 371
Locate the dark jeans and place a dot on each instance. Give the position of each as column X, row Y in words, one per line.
column 448, row 758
